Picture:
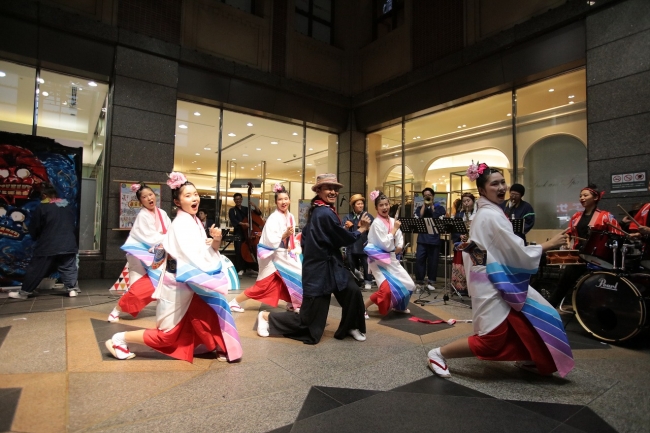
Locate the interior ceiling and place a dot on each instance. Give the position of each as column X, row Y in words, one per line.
column 70, row 121
column 248, row 141
column 531, row 99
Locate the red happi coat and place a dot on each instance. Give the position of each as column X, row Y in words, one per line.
column 641, row 217
column 599, row 221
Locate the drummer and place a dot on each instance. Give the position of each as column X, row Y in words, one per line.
column 580, row 224
column 641, row 217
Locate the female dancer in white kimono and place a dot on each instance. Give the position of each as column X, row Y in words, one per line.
column 278, row 253
column 512, row 322
column 148, row 230
column 190, row 280
column 385, row 240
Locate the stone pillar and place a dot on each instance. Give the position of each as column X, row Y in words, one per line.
column 142, row 128
column 618, row 97
column 352, row 164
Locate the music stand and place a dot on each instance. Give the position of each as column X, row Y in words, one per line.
column 517, row 225
column 418, row 225
column 448, row 226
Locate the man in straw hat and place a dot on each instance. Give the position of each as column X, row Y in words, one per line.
column 354, row 253
column 323, row 274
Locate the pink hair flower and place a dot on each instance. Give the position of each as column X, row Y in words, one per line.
column 374, row 195
column 176, row 179
column 277, row 187
column 472, row 171
column 481, row 167
column 135, row 187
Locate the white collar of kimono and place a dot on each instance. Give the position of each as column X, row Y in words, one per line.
column 484, row 202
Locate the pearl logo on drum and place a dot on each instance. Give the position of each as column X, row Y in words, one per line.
column 602, row 283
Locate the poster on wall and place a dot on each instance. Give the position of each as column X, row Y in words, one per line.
column 130, row 205
column 27, row 163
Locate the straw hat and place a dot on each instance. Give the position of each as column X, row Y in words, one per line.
column 327, row 178
column 355, row 198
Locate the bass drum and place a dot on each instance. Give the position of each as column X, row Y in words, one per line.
column 612, row 307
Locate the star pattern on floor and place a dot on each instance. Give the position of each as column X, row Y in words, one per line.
column 435, row 405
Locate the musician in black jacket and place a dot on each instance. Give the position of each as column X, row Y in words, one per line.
column 237, row 215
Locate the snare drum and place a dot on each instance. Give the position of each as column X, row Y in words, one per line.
column 597, row 250
column 563, row 257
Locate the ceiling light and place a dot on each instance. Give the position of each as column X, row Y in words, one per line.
column 258, row 148
column 79, row 88
column 182, row 126
column 245, row 154
column 196, row 113
column 252, row 169
column 242, row 167
column 464, row 126
column 249, row 124
column 571, row 102
column 197, row 154
column 459, row 126
column 92, row 84
column 234, row 159
column 508, row 114
column 40, row 80
column 310, row 165
column 572, row 96
column 198, row 168
column 417, row 136
column 207, row 148
column 274, row 142
column 414, row 138
column 295, row 133
column 99, row 144
column 279, row 159
column 551, row 90
column 311, row 148
column 232, row 135
column 193, row 162
column 46, row 94
column 65, row 102
column 2, row 74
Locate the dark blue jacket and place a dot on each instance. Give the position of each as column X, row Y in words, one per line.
column 54, row 230
column 322, row 265
column 357, row 246
column 524, row 209
column 435, row 211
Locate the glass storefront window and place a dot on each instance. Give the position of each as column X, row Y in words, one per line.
column 72, row 111
column 196, row 150
column 17, row 89
column 552, row 148
column 253, row 148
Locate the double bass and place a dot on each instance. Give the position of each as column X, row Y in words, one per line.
column 253, row 233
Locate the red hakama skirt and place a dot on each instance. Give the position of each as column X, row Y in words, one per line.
column 200, row 325
column 382, row 298
column 138, row 296
column 269, row 290
column 515, row 339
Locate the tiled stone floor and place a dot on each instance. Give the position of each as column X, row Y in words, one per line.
column 55, row 376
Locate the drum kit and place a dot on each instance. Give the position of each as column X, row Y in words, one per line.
column 611, row 301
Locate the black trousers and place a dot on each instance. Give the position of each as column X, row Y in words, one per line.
column 239, row 262
column 309, row 325
column 354, row 260
column 566, row 283
column 41, row 267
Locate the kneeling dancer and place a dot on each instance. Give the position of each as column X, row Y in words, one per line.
column 385, row 240
column 512, row 321
column 280, row 264
column 190, row 280
column 323, row 275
